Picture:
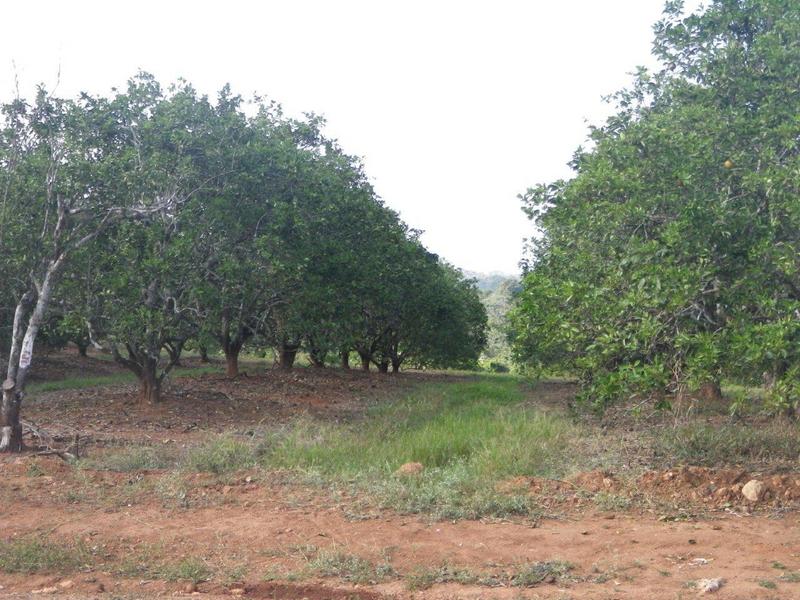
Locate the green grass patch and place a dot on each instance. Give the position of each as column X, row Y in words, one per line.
column 76, row 383
column 221, row 455
column 469, row 435
column 39, row 555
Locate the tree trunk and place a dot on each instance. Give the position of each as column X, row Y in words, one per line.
column 287, row 356
column 19, row 362
column 365, row 360
column 175, row 351
column 232, row 360
column 82, row 348
column 711, row 391
column 10, row 427
column 316, row 360
column 203, row 354
column 345, row 359
column 383, row 366
column 150, row 383
column 396, row 362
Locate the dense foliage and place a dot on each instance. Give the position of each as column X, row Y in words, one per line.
column 670, row 260
column 157, row 219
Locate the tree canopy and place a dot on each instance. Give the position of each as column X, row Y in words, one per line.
column 158, row 218
column 670, row 259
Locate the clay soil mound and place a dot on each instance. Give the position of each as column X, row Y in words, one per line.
column 720, row 487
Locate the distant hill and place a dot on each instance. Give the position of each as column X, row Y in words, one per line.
column 488, row 282
column 497, row 292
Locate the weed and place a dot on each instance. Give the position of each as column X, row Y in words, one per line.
column 348, row 567
column 768, row 584
column 611, row 502
column 189, row 569
column 424, row 577
column 134, row 458
column 34, row 470
column 548, row 571
column 173, row 490
column 702, row 444
column 221, row 455
column 35, row 555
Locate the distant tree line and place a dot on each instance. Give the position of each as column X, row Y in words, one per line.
column 670, row 261
column 158, row 219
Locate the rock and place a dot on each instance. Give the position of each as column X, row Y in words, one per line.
column 410, row 468
column 753, row 490
column 237, row 592
column 66, row 584
column 190, row 588
column 709, row 586
column 45, row 590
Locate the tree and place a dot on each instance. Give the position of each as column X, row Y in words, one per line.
column 148, row 287
column 668, row 260
column 56, row 199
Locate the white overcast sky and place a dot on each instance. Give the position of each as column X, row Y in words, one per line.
column 455, row 106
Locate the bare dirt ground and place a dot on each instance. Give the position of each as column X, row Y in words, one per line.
column 262, row 527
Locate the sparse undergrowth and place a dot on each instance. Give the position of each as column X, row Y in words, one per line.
column 472, row 437
column 469, row 436
column 39, row 555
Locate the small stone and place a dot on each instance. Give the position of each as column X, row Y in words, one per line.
column 410, row 468
column 66, row 584
column 237, row 592
column 190, row 588
column 753, row 490
column 709, row 586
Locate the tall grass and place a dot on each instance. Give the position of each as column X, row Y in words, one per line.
column 468, row 435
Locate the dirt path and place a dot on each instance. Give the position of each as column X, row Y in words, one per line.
column 620, row 557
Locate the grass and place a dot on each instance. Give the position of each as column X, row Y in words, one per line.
column 148, row 561
column 348, row 567
column 76, row 383
column 469, row 436
column 735, row 443
column 524, row 575
column 135, row 458
column 39, row 555
column 472, row 434
column 221, row 455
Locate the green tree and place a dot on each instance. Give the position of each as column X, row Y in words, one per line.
column 669, row 260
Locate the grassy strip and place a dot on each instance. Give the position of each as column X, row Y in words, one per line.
column 76, row 383
column 469, row 436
